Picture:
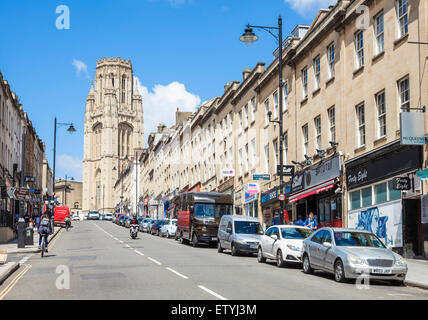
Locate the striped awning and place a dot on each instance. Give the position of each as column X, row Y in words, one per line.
column 313, row 190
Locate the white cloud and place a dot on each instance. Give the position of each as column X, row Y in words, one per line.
column 161, row 102
column 309, row 6
column 80, row 66
column 71, row 166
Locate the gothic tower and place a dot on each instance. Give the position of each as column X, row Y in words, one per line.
column 113, row 130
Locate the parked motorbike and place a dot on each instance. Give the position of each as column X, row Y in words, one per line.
column 134, row 230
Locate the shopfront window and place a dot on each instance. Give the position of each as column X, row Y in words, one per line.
column 367, row 196
column 321, row 214
column 355, row 200
column 380, row 193
column 329, row 209
column 393, row 194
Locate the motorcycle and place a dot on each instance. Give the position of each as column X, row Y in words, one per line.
column 134, row 231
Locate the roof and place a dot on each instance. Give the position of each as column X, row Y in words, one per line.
column 241, row 218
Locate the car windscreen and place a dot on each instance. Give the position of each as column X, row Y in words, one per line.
column 248, row 227
column 212, row 210
column 357, row 239
column 174, row 222
column 295, row 233
column 166, row 222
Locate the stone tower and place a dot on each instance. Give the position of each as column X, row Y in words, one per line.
column 113, row 130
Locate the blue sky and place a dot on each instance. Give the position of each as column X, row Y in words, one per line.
column 183, row 52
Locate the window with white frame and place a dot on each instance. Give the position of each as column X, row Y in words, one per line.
column 332, row 123
column 285, row 94
column 285, row 139
column 305, row 139
column 275, row 105
column 230, row 122
column 381, row 114
column 266, row 112
column 240, row 120
column 404, row 90
column 246, row 158
column 359, row 49
column 253, row 109
column 403, row 19
column 230, row 157
column 317, row 71
column 226, row 159
column 330, row 58
column 267, row 158
column 240, row 162
column 379, row 33
column 253, row 149
column 318, row 132
column 305, row 82
column 361, row 125
column 275, row 149
column 247, row 120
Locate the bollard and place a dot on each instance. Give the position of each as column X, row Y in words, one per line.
column 21, row 233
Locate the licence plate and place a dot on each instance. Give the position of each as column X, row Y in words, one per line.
column 214, row 239
column 382, row 271
column 252, row 246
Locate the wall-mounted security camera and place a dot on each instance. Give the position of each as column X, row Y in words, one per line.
column 338, row 190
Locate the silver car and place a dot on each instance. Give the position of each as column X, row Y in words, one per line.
column 351, row 253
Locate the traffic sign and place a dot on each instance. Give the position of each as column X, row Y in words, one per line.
column 281, row 197
column 265, row 177
column 21, row 194
column 30, row 179
column 11, row 192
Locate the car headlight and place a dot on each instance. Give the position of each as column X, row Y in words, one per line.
column 356, row 260
column 204, row 228
column 241, row 241
column 294, row 248
column 401, row 263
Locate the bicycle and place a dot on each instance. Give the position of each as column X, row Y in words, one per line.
column 42, row 252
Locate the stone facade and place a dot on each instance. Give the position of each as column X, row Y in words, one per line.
column 113, row 130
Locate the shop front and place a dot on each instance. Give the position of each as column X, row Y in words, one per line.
column 384, row 197
column 251, row 197
column 318, row 190
column 237, row 201
column 270, row 203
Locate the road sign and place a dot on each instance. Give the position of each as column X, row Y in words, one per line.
column 30, row 179
column 37, row 191
column 265, row 177
column 287, row 171
column 11, row 192
column 21, row 194
column 281, row 197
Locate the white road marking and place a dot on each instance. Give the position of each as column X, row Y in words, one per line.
column 127, row 245
column 177, row 273
column 24, row 260
column 155, row 261
column 213, row 293
column 400, row 294
column 138, row 252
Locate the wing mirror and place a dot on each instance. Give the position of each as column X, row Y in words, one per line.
column 229, row 230
column 327, row 244
column 274, row 237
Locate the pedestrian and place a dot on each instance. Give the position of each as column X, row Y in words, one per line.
column 37, row 222
column 286, row 217
column 276, row 220
column 299, row 221
column 311, row 222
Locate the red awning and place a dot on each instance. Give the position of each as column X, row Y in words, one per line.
column 314, row 190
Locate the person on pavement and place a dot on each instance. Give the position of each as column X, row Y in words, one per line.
column 44, row 230
column 276, row 219
column 311, row 222
column 299, row 221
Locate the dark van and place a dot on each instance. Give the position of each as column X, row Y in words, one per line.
column 198, row 215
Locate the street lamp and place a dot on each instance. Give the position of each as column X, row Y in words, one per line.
column 249, row 37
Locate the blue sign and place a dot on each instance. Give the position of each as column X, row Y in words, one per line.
column 265, row 177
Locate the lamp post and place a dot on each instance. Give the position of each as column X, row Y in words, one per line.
column 248, row 37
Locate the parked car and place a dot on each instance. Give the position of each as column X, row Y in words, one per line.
column 283, row 243
column 108, row 217
column 349, row 253
column 75, row 217
column 94, row 215
column 169, row 228
column 121, row 220
column 156, row 227
column 239, row 234
column 144, row 224
column 150, row 224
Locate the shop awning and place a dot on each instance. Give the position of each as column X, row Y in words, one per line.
column 314, row 190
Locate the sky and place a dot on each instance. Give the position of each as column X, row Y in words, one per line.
column 183, row 52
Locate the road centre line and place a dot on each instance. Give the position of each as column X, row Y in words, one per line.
column 155, row 261
column 212, row 293
column 138, row 252
column 177, row 273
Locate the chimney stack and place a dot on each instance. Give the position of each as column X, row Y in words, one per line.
column 246, row 73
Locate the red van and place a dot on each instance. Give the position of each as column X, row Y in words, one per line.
column 60, row 213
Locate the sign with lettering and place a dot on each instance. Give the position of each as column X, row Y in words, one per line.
column 412, row 128
column 401, row 183
column 228, row 172
column 324, row 171
column 298, row 182
column 287, row 171
column 265, row 177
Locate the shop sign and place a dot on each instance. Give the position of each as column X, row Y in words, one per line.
column 249, row 197
column 322, row 172
column 252, row 188
column 384, row 220
column 424, row 208
column 287, row 171
column 401, row 183
column 298, row 183
column 264, row 177
column 388, row 165
column 412, row 128
column 423, row 174
column 273, row 194
column 228, row 172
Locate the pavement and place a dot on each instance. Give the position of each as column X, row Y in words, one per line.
column 98, row 260
column 13, row 252
column 417, row 273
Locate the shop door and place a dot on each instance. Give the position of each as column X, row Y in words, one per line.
column 301, row 210
column 412, row 225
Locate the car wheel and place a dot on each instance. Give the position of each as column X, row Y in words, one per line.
column 307, row 265
column 279, row 260
column 233, row 250
column 219, row 248
column 339, row 271
column 260, row 257
column 195, row 241
column 182, row 241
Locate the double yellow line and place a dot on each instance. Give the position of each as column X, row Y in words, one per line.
column 14, row 281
